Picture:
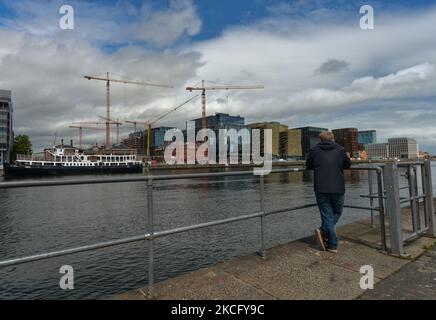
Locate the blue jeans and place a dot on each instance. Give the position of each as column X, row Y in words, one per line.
column 330, row 206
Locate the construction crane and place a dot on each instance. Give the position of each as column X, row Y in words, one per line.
column 115, row 122
column 135, row 123
column 148, row 124
column 80, row 127
column 219, row 87
column 110, row 122
column 108, row 101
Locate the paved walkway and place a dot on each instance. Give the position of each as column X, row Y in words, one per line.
column 298, row 270
column 416, row 280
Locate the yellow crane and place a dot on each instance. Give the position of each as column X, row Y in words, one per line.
column 203, row 90
column 81, row 127
column 148, row 124
column 108, row 101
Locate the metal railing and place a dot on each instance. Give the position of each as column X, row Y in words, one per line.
column 152, row 234
column 399, row 236
column 394, row 201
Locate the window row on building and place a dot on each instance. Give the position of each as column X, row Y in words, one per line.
column 6, row 132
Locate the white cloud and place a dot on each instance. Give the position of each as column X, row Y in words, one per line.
column 166, row 26
column 121, row 22
column 44, row 67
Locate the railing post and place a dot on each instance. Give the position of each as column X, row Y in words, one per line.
column 262, row 251
column 413, row 202
column 428, row 200
column 371, row 199
column 381, row 208
column 390, row 177
column 150, row 218
column 415, row 171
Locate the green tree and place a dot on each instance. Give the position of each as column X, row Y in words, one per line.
column 22, row 145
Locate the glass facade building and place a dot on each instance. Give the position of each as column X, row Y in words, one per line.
column 221, row 121
column 6, row 132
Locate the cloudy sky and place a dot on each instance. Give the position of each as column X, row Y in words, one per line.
column 318, row 66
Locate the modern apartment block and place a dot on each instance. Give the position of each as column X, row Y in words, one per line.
column 377, row 150
column 367, row 137
column 347, row 137
column 6, row 132
column 403, row 148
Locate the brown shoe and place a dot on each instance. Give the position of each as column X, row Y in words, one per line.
column 332, row 250
column 319, row 236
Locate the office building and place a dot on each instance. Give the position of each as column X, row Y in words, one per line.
column 290, row 143
column 347, row 137
column 221, row 121
column 294, row 149
column 283, row 141
column 403, row 148
column 377, row 150
column 367, row 137
column 275, row 128
column 6, row 132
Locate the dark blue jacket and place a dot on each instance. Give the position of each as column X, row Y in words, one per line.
column 328, row 161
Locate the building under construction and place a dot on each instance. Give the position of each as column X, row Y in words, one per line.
column 138, row 140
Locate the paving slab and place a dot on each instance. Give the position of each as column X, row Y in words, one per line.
column 416, row 281
column 353, row 256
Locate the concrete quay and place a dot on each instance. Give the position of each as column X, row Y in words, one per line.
column 298, row 270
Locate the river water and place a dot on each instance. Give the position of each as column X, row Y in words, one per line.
column 37, row 220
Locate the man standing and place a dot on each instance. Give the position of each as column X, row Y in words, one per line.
column 328, row 161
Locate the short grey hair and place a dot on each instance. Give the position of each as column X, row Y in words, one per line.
column 327, row 136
